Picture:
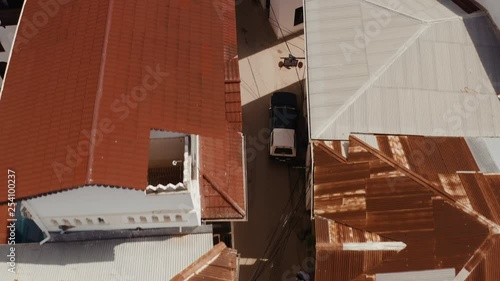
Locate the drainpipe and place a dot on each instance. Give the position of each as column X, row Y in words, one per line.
column 38, row 221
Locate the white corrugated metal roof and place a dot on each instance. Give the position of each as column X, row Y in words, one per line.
column 427, row 275
column 138, row 259
column 486, row 152
column 400, row 67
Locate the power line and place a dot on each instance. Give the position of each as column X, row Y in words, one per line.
column 288, row 47
column 281, row 236
column 281, row 30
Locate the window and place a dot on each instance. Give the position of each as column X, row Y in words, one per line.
column 287, row 151
column 166, row 157
column 299, row 16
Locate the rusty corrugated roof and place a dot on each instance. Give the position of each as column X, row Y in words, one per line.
column 425, row 192
column 488, row 268
column 105, row 73
column 332, row 263
column 218, row 264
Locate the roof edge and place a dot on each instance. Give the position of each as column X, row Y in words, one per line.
column 321, row 145
column 70, row 189
column 200, row 263
column 226, row 196
column 372, row 79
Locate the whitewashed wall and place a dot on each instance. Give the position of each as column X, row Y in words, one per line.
column 285, row 14
column 118, row 208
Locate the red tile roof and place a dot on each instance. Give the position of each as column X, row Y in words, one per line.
column 4, row 233
column 105, row 73
column 219, row 264
column 412, row 190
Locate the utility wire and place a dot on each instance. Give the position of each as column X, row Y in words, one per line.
column 288, row 47
column 281, row 30
column 274, row 239
column 279, row 239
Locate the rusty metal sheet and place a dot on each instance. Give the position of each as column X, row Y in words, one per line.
column 488, row 269
column 481, row 195
column 347, row 265
column 438, row 232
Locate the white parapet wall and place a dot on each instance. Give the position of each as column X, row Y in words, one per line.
column 493, row 7
column 105, row 208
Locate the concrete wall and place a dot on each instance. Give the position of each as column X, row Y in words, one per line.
column 263, row 3
column 117, row 208
column 6, row 39
column 163, row 151
column 493, row 7
column 283, row 16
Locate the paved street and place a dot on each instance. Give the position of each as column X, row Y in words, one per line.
column 270, row 183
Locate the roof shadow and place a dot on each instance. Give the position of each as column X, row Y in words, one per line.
column 254, row 30
column 486, row 40
column 95, row 247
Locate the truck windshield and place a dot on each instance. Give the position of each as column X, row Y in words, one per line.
column 284, row 117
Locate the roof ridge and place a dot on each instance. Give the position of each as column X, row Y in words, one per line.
column 197, row 265
column 374, row 78
column 492, row 226
column 478, row 256
column 394, row 10
column 321, row 145
column 97, row 104
column 226, row 196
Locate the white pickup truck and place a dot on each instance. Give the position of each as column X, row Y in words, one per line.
column 283, row 117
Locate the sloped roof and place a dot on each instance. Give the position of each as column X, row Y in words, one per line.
column 426, row 192
column 135, row 259
column 4, row 234
column 82, row 94
column 333, row 263
column 401, row 67
column 219, row 264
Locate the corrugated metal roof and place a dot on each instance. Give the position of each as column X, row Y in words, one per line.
column 412, row 190
column 488, row 268
column 483, row 155
column 219, row 264
column 137, row 259
column 86, row 69
column 427, row 275
column 400, row 68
